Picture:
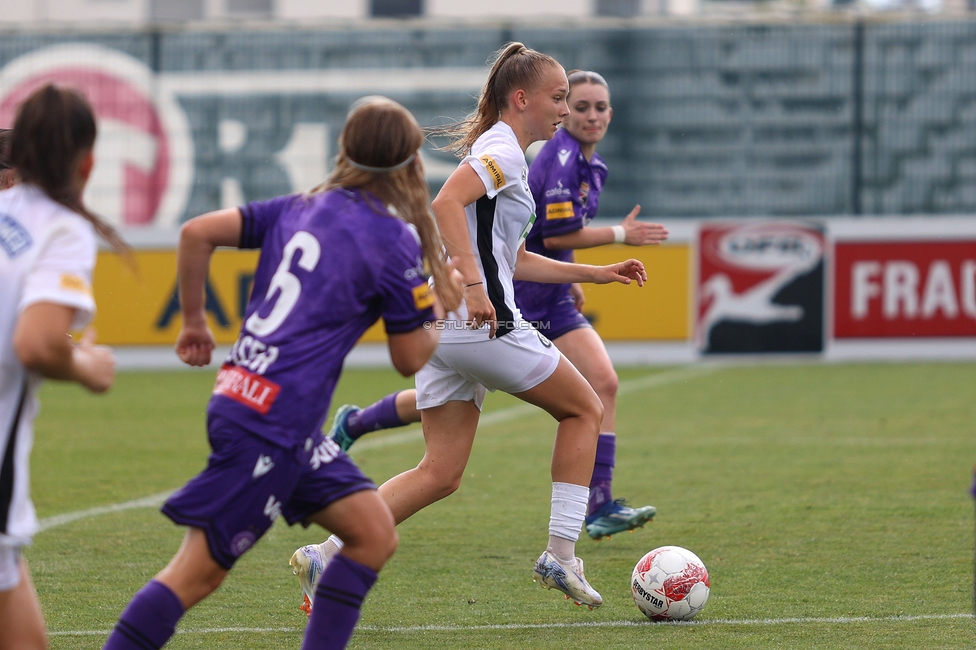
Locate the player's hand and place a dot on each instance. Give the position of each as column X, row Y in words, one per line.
column 576, row 291
column 95, row 364
column 639, row 233
column 622, row 272
column 480, row 309
column 194, row 344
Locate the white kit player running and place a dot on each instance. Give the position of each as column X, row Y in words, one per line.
column 47, row 253
column 566, row 179
column 484, row 212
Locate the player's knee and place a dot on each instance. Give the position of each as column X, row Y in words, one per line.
column 388, row 545
column 603, row 379
column 591, row 407
column 205, row 582
column 212, row 582
column 607, row 384
column 448, row 484
column 372, row 542
column 384, row 539
column 197, row 587
column 443, row 481
column 586, row 408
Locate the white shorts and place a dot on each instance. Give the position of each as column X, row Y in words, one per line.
column 462, row 372
column 9, row 567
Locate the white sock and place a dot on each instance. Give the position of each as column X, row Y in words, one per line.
column 331, row 547
column 566, row 518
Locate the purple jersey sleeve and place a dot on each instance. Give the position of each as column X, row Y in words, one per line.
column 257, row 218
column 407, row 297
column 556, row 187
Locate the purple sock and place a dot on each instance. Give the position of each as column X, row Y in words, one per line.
column 338, row 600
column 149, row 621
column 381, row 415
column 606, row 452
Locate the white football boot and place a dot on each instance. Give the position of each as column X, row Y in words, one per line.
column 308, row 563
column 553, row 574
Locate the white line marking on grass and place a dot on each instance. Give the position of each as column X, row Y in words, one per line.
column 653, row 380
column 835, row 620
column 153, row 501
column 840, row 620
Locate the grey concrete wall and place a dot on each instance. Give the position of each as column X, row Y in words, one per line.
column 708, row 121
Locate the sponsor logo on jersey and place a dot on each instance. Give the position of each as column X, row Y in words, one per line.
column 562, row 210
column 423, row 297
column 247, row 388
column 563, row 156
column 415, row 271
column 144, row 151
column 76, row 283
column 13, row 236
column 557, row 191
column 584, row 192
column 498, row 178
column 263, row 466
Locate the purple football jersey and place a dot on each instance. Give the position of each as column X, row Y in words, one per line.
column 331, row 264
column 566, row 187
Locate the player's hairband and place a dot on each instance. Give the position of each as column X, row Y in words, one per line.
column 380, row 170
column 579, row 76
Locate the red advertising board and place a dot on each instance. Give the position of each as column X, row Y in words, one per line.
column 760, row 287
column 905, row 289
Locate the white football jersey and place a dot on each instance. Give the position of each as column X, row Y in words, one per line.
column 498, row 223
column 47, row 254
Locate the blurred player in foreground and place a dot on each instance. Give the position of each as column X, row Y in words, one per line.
column 331, row 264
column 566, row 179
column 47, row 254
column 484, row 211
column 8, row 175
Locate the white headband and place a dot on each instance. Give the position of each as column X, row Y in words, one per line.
column 379, row 170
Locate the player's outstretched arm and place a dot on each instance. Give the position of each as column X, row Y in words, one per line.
column 42, row 344
column 538, row 268
column 630, row 231
column 199, row 238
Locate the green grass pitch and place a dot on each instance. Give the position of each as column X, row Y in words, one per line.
column 829, row 502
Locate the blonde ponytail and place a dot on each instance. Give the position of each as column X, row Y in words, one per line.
column 513, row 66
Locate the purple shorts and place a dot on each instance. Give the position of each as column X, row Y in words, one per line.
column 555, row 317
column 249, row 481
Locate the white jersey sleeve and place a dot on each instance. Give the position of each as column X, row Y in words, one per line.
column 498, row 161
column 62, row 272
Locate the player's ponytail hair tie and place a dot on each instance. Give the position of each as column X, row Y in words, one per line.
column 381, row 170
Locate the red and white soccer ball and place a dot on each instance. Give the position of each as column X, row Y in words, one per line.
column 670, row 584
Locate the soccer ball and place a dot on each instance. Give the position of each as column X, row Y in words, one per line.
column 670, row 584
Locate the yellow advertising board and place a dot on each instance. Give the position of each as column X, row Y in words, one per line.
column 658, row 311
column 143, row 308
